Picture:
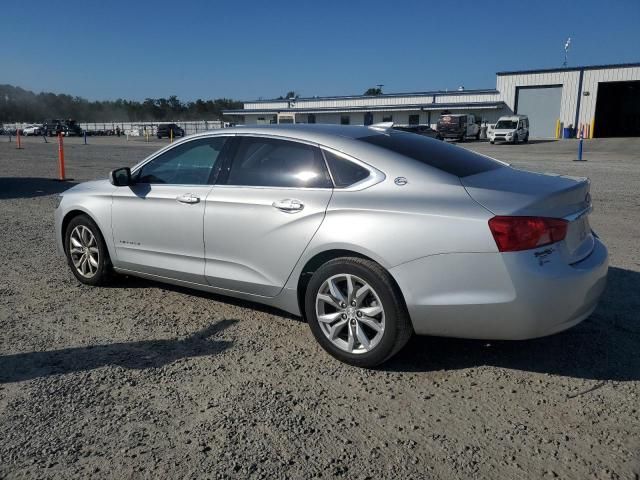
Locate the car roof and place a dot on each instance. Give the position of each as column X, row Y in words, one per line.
column 319, row 133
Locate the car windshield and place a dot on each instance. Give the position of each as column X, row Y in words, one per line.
column 506, row 125
column 449, row 120
column 447, row 158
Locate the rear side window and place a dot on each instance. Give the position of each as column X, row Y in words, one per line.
column 267, row 162
column 451, row 159
column 344, row 172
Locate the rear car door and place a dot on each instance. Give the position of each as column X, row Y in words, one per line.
column 263, row 212
column 157, row 221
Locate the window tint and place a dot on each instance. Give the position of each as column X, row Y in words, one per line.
column 448, row 158
column 344, row 172
column 269, row 162
column 189, row 163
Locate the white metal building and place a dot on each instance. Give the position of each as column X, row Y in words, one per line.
column 601, row 100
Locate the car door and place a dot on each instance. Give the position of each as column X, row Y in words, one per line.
column 157, row 221
column 263, row 212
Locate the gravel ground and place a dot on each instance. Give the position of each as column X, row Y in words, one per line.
column 145, row 380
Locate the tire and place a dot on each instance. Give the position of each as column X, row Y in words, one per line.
column 478, row 136
column 95, row 273
column 515, row 139
column 393, row 326
column 159, row 137
column 461, row 139
column 526, row 138
column 492, row 142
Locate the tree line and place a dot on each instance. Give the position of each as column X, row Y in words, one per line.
column 20, row 105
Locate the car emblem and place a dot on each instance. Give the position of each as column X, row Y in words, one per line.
column 400, row 181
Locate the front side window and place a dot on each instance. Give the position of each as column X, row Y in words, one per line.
column 268, row 162
column 189, row 163
column 345, row 173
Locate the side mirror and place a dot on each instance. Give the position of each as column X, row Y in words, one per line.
column 120, row 177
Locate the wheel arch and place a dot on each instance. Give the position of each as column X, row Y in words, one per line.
column 319, row 259
column 76, row 212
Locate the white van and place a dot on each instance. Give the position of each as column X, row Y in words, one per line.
column 511, row 129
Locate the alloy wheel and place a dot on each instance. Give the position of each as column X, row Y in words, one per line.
column 84, row 252
column 350, row 313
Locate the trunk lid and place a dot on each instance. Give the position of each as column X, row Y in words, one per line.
column 509, row 191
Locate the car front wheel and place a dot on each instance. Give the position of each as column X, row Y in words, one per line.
column 356, row 312
column 86, row 251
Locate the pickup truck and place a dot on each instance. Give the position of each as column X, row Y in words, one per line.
column 458, row 127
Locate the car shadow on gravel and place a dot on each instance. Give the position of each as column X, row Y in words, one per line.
column 133, row 355
column 604, row 347
column 29, row 187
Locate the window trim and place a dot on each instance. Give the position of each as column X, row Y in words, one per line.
column 135, row 170
column 233, row 150
column 375, row 175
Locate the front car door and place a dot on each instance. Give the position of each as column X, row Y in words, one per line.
column 263, row 213
column 157, row 221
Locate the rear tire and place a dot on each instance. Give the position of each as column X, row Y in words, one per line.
column 364, row 326
column 86, row 251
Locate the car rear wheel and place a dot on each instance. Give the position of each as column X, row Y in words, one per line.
column 356, row 312
column 86, row 251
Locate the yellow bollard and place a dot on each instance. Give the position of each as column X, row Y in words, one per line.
column 171, row 135
column 593, row 127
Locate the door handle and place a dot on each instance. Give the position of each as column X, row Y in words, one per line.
column 288, row 205
column 188, row 198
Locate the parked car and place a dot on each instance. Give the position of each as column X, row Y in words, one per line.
column 511, row 129
column 33, row 129
column 458, row 127
column 71, row 128
column 371, row 234
column 165, row 129
column 53, row 127
column 425, row 130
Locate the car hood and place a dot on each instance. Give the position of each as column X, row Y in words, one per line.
column 94, row 186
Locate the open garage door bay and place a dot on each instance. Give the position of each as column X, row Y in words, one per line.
column 542, row 105
column 618, row 109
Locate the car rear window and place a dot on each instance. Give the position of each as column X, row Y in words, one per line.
column 451, row 159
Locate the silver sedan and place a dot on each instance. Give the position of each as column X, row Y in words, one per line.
column 369, row 233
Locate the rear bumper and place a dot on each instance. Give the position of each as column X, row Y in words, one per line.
column 497, row 296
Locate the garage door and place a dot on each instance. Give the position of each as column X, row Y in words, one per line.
column 618, row 109
column 542, row 106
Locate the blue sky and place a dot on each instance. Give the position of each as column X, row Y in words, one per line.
column 251, row 49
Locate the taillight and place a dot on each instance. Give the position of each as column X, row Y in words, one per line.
column 523, row 233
